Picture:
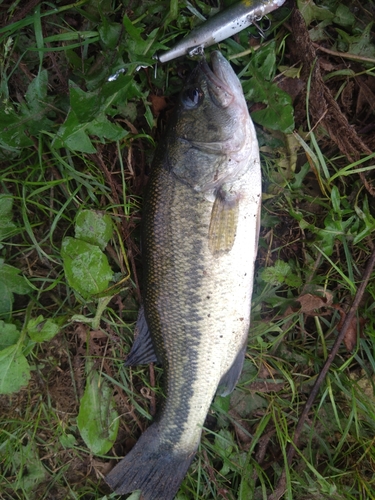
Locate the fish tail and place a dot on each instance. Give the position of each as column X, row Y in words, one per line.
column 152, row 466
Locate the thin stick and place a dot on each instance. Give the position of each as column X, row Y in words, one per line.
column 344, row 55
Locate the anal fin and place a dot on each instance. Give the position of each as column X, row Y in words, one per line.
column 229, row 380
column 142, row 351
column 223, row 223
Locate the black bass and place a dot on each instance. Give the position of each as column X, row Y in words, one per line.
column 223, row 25
column 199, row 243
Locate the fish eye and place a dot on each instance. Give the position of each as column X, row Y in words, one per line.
column 192, row 97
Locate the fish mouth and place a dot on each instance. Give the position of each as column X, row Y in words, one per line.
column 222, row 81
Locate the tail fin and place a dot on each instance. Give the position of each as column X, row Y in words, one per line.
column 152, row 467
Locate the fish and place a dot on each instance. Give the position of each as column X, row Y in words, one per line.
column 221, row 26
column 200, row 227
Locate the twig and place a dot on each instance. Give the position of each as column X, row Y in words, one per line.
column 344, row 55
column 301, row 422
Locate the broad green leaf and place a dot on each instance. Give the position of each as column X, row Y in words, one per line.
column 85, row 105
column 105, row 129
column 243, row 405
column 138, row 47
column 343, row 16
column 97, row 418
column 16, row 283
column 88, row 105
column 7, row 227
column 67, row 440
column 363, row 45
column 224, row 446
column 41, row 330
column 86, row 267
column 37, row 91
column 280, row 273
column 275, row 275
column 278, row 113
column 134, row 32
column 28, row 460
column 34, row 111
column 246, row 488
column 12, row 131
column 6, row 203
column 73, row 135
column 110, row 33
column 311, row 12
column 88, row 112
column 264, row 60
column 10, row 283
column 94, row 227
column 9, row 334
column 14, row 370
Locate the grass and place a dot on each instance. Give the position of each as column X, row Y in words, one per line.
column 74, row 142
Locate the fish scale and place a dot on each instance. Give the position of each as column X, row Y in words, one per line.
column 199, row 243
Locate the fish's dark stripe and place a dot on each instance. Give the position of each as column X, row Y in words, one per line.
column 166, row 284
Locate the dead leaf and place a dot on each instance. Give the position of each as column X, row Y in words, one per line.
column 81, row 332
column 355, row 328
column 98, row 334
column 158, row 103
column 310, row 303
column 293, row 86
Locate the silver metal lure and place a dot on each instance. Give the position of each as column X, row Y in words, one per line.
column 221, row 26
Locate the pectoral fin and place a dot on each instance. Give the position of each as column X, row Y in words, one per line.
column 142, row 351
column 223, row 224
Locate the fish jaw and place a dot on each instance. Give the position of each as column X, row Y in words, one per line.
column 224, row 83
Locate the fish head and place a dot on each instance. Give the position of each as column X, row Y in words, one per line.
column 213, row 100
column 212, row 134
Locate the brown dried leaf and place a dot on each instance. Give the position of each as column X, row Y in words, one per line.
column 350, row 339
column 97, row 334
column 293, row 86
column 310, row 303
column 81, row 332
column 158, row 103
column 355, row 327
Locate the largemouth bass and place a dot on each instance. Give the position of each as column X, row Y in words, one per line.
column 199, row 243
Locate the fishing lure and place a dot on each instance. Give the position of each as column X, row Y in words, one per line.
column 221, row 26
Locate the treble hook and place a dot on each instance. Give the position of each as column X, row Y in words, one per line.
column 261, row 30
